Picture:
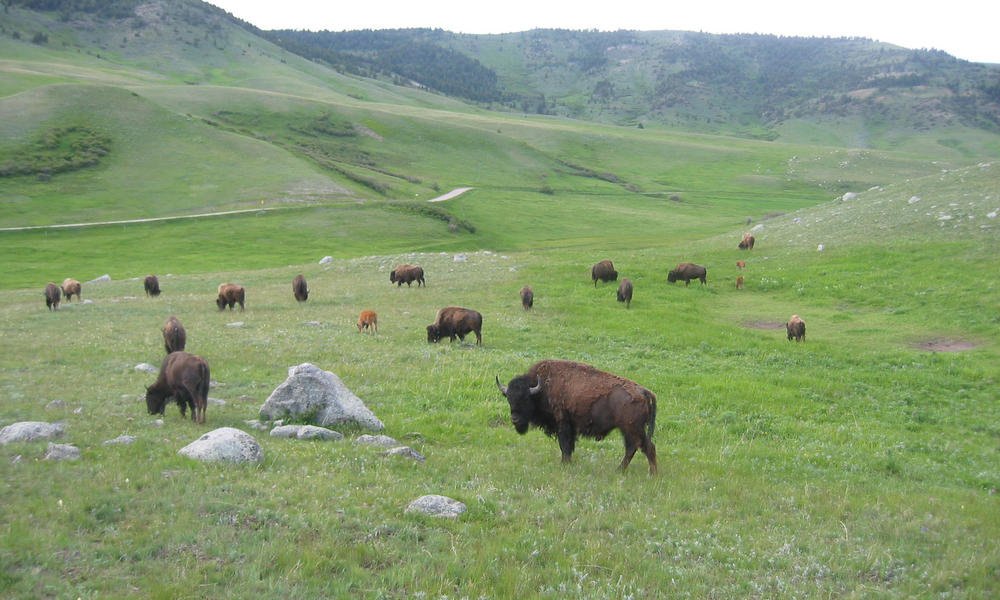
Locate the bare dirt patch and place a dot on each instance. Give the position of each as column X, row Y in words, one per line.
column 946, row 345
column 764, row 324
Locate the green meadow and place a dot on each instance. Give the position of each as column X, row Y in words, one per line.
column 863, row 462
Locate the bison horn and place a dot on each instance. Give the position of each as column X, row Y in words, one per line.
column 503, row 388
column 537, row 388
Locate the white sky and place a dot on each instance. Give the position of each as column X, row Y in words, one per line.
column 963, row 28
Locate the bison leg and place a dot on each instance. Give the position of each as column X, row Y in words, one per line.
column 567, row 441
column 479, row 338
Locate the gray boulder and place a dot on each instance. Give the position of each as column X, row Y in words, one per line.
column 225, row 444
column 318, row 396
column 405, row 452
column 305, row 432
column 124, row 440
column 61, row 452
column 377, row 440
column 29, row 431
column 436, row 506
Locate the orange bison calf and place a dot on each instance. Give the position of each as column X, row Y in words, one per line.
column 739, row 282
column 185, row 378
column 368, row 320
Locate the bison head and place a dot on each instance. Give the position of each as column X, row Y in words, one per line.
column 433, row 333
column 520, row 395
column 156, row 402
column 672, row 276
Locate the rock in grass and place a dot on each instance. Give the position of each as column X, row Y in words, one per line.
column 377, row 440
column 61, row 452
column 147, row 368
column 30, row 431
column 405, row 452
column 305, row 432
column 320, row 397
column 224, row 444
column 124, row 440
column 436, row 506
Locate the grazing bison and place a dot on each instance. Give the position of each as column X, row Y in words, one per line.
column 741, row 265
column 368, row 320
column 747, row 242
column 299, row 288
column 687, row 271
column 185, row 378
column 229, row 295
column 152, row 285
column 568, row 399
column 452, row 321
column 739, row 282
column 174, row 336
column 70, row 287
column 625, row 292
column 796, row 328
column 407, row 274
column 52, row 296
column 605, row 271
column 527, row 297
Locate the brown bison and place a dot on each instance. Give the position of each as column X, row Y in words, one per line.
column 152, row 285
column 605, row 271
column 368, row 320
column 625, row 292
column 52, row 296
column 70, row 287
column 687, row 271
column 185, row 378
column 407, row 274
column 527, row 297
column 452, row 321
column 174, row 336
column 568, row 399
column 741, row 265
column 796, row 328
column 299, row 288
column 747, row 242
column 229, row 295
column 739, row 282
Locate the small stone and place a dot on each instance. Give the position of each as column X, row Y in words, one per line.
column 61, row 452
column 124, row 440
column 405, row 452
column 436, row 506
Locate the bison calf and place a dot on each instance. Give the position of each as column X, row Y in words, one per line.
column 453, row 321
column 299, row 288
column 739, row 282
column 741, row 265
column 368, row 320
column 152, row 285
column 185, row 378
column 625, row 292
column 229, row 295
column 527, row 297
column 796, row 328
column 605, row 271
column 70, row 287
column 568, row 399
column 687, row 271
column 52, row 296
column 174, row 336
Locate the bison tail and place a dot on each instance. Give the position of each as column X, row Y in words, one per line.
column 652, row 415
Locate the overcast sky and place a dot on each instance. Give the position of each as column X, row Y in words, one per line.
column 963, row 28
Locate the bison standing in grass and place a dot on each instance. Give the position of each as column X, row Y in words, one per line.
column 70, row 287
column 625, row 292
column 229, row 295
column 152, row 285
column 527, row 298
column 605, row 271
column 368, row 319
column 747, row 242
column 796, row 329
column 687, row 271
column 453, row 321
column 568, row 399
column 174, row 336
column 52, row 296
column 299, row 288
column 407, row 274
column 185, row 378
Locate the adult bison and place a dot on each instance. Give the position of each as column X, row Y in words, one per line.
column 527, row 297
column 229, row 295
column 70, row 287
column 174, row 336
column 299, row 288
column 796, row 329
column 185, row 378
column 407, row 274
column 747, row 242
column 568, row 399
column 687, row 271
column 625, row 292
column 368, row 319
column 52, row 296
column 605, row 271
column 152, row 285
column 453, row 321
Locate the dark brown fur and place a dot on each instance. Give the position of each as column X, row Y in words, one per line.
column 174, row 335
column 70, row 287
column 747, row 242
column 453, row 321
column 527, row 298
column 625, row 292
column 229, row 295
column 368, row 320
column 574, row 399
column 52, row 296
column 299, row 288
column 185, row 378
column 687, row 271
column 796, row 328
column 407, row 274
column 605, row 271
column 152, row 285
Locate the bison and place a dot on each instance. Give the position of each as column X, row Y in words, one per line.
column 152, row 285
column 567, row 399
column 605, row 271
column 452, row 321
column 407, row 274
column 299, row 288
column 185, row 378
column 52, row 296
column 739, row 282
column 741, row 265
column 747, row 242
column 796, row 328
column 368, row 320
column 229, row 295
column 70, row 287
column 687, row 271
column 527, row 297
column 625, row 292
column 174, row 336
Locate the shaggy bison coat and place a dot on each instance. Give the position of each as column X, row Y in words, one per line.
column 625, row 292
column 70, row 287
column 174, row 336
column 229, row 295
column 568, row 399
column 185, row 378
column 407, row 274
column 527, row 298
column 796, row 328
column 687, row 271
column 152, row 285
column 299, row 288
column 605, row 271
column 52, row 296
column 453, row 321
column 747, row 242
column 368, row 320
